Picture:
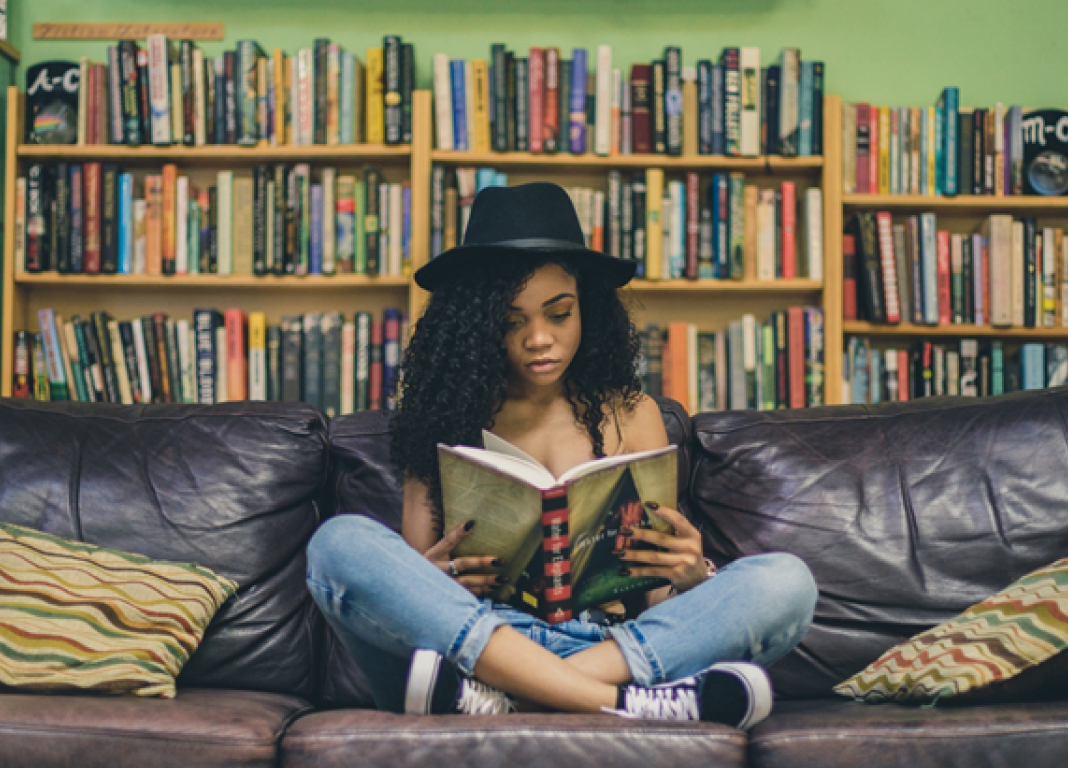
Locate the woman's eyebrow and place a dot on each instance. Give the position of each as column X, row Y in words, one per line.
column 553, row 300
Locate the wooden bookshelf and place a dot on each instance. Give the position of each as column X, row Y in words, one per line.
column 164, row 282
column 555, row 162
column 216, row 154
column 719, row 287
column 969, row 203
column 908, row 330
column 10, row 51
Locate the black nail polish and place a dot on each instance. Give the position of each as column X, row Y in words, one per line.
column 497, row 562
column 469, row 525
column 620, row 553
column 652, row 505
column 624, row 571
column 626, row 531
column 501, row 579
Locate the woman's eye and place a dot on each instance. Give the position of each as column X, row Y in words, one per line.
column 511, row 325
column 560, row 318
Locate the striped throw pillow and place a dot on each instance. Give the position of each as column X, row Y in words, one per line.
column 990, row 648
column 74, row 616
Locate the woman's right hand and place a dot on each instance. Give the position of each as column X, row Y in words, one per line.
column 460, row 568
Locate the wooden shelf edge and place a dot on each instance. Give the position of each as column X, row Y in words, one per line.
column 217, row 152
column 211, row 281
column 983, row 202
column 775, row 162
column 10, row 51
column 856, row 328
column 726, row 286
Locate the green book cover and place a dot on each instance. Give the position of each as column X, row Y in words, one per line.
column 736, row 197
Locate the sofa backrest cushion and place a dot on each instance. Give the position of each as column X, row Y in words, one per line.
column 906, row 513
column 363, row 481
column 231, row 487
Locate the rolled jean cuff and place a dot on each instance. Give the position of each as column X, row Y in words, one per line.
column 473, row 637
column 645, row 667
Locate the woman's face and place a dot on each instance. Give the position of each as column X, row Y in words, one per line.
column 544, row 329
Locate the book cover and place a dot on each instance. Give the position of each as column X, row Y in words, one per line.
column 557, row 535
column 52, row 90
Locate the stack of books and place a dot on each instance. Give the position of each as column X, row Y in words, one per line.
column 717, row 227
column 968, row 368
column 336, row 363
column 169, row 92
column 283, row 219
column 1013, row 273
column 544, row 103
column 748, row 365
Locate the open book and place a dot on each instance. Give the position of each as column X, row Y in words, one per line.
column 557, row 535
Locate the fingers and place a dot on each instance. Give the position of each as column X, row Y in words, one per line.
column 481, row 584
column 476, row 563
column 449, row 541
column 653, row 557
column 678, row 521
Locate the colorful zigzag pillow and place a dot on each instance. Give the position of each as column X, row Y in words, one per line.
column 992, row 651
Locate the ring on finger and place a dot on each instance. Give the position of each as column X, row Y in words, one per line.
column 452, row 569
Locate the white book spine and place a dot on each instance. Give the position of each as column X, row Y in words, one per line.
column 616, row 127
column 602, row 137
column 626, row 129
column 306, row 78
column 225, row 194
column 1016, row 270
column 294, row 135
column 789, row 98
column 159, row 99
column 814, row 232
column 348, row 367
column 257, row 371
column 139, row 236
column 667, row 218
column 142, row 361
column 200, row 122
column 765, row 245
column 1049, row 277
column 185, row 363
column 329, row 236
column 222, row 365
column 181, row 226
column 443, row 101
column 678, row 230
column 396, row 229
column 749, row 66
column 1000, row 233
column 189, row 372
column 71, row 355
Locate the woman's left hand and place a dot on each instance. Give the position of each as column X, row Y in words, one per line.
column 680, row 557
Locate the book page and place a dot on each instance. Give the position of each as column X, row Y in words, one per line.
column 533, row 474
column 498, row 444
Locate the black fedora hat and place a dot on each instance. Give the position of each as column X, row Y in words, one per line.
column 528, row 220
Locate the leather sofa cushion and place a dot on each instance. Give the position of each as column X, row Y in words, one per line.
column 199, row 727
column 231, row 487
column 907, row 513
column 365, row 738
column 833, row 734
column 364, row 482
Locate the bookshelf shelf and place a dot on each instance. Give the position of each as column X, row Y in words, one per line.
column 216, row 154
column 975, row 203
column 908, row 330
column 224, row 282
column 690, row 162
column 712, row 287
column 10, row 51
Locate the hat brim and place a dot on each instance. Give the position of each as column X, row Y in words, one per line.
column 459, row 261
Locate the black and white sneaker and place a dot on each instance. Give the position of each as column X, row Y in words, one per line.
column 436, row 687
column 731, row 693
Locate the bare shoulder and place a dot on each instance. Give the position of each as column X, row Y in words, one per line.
column 644, row 426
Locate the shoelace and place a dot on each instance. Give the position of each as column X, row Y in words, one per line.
column 667, row 703
column 480, row 699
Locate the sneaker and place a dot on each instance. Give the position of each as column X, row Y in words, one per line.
column 436, row 688
column 731, row 693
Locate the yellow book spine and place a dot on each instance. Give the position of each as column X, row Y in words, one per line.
column 374, row 108
column 280, row 91
column 931, row 165
column 654, row 228
column 257, row 356
column 884, row 150
column 480, row 80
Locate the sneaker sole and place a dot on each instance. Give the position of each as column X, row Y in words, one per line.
column 422, row 676
column 757, row 684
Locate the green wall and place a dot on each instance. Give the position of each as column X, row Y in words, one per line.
column 885, row 51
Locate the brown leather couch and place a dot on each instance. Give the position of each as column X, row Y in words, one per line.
column 906, row 514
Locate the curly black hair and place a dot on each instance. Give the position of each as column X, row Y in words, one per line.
column 454, row 373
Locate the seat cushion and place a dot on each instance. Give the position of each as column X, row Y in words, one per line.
column 233, row 487
column 834, row 734
column 906, row 513
column 366, row 738
column 78, row 616
column 198, row 727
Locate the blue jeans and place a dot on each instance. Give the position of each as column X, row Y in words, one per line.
column 384, row 600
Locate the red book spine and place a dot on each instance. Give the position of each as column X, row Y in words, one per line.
column 376, row 365
column 891, row 300
column 795, row 354
column 789, row 230
column 169, row 217
column 640, row 106
column 90, row 104
column 536, row 106
column 551, row 117
column 849, row 277
column 873, row 150
column 91, row 200
column 236, row 355
column 945, row 300
column 863, row 146
column 902, row 375
column 556, row 555
column 693, row 223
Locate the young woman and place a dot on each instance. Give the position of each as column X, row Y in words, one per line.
column 525, row 336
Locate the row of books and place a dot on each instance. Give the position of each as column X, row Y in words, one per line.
column 1013, row 273
column 543, row 103
column 937, row 150
column 718, row 227
column 334, row 362
column 169, row 92
column 282, row 219
column 968, row 368
column 748, row 365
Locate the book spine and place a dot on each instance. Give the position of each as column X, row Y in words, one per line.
column 577, row 131
column 109, row 232
column 391, row 83
column 556, row 556
column 536, row 100
column 330, row 328
column 889, row 270
column 814, row 345
column 550, row 126
column 93, row 225
column 737, row 225
column 640, row 108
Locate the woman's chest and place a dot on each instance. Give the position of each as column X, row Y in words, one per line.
column 558, row 444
